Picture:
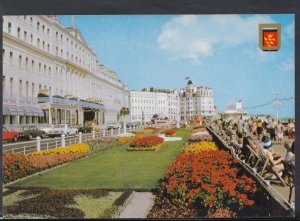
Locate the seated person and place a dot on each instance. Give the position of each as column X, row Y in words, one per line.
column 275, row 159
column 290, row 156
column 245, row 150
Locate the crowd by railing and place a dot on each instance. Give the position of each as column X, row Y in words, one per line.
column 256, row 161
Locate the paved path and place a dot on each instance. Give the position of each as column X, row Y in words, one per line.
column 139, row 206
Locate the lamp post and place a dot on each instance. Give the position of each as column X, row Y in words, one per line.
column 124, row 112
column 277, row 105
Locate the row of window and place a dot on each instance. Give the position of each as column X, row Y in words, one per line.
column 41, row 44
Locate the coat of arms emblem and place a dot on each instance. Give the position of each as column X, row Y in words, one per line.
column 270, row 37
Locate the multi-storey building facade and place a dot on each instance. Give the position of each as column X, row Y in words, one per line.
column 148, row 102
column 50, row 75
column 196, row 102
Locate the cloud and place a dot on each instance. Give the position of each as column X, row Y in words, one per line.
column 197, row 36
column 287, row 66
column 290, row 30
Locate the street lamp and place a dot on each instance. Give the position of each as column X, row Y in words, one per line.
column 124, row 112
column 277, row 105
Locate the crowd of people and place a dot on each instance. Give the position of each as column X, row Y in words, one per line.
column 260, row 135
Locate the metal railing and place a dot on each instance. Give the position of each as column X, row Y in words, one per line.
column 42, row 144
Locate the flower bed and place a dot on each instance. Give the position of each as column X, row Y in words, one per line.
column 170, row 132
column 103, row 143
column 209, row 181
column 16, row 166
column 146, row 143
column 123, row 140
column 76, row 148
column 199, row 127
column 198, row 138
column 38, row 163
column 200, row 146
column 150, row 130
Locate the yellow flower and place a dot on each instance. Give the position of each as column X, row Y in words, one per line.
column 76, row 148
column 200, row 146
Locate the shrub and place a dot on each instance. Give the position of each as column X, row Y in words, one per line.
column 103, row 143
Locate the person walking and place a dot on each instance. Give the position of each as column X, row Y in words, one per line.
column 279, row 131
column 291, row 129
column 272, row 126
column 259, row 129
column 253, row 128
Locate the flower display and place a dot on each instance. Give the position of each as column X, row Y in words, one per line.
column 198, row 138
column 200, row 146
column 199, row 127
column 41, row 162
column 76, row 148
column 170, row 132
column 146, row 143
column 123, row 140
column 210, row 178
column 150, row 130
column 14, row 166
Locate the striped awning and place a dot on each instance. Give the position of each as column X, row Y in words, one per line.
column 28, row 111
column 9, row 110
column 37, row 112
column 22, row 111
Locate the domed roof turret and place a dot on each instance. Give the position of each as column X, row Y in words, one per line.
column 190, row 82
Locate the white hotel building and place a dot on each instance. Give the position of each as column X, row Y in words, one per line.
column 144, row 104
column 50, row 75
column 196, row 102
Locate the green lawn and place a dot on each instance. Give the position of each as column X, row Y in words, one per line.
column 112, row 169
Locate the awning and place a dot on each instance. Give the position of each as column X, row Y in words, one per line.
column 9, row 110
column 37, row 112
column 21, row 111
column 28, row 111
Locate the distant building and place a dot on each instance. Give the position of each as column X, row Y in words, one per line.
column 235, row 110
column 196, row 102
column 148, row 102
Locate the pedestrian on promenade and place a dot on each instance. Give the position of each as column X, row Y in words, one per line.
column 259, row 129
column 291, row 129
column 253, row 128
column 279, row 131
column 272, row 126
column 245, row 128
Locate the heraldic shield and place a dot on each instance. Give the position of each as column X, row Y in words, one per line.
column 270, row 37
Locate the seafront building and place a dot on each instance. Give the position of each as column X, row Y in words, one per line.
column 196, row 102
column 150, row 101
column 52, row 76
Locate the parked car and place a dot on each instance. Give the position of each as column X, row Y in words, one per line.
column 8, row 135
column 113, row 126
column 60, row 129
column 85, row 129
column 46, row 129
column 32, row 132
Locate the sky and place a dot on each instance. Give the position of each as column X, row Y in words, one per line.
column 219, row 51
